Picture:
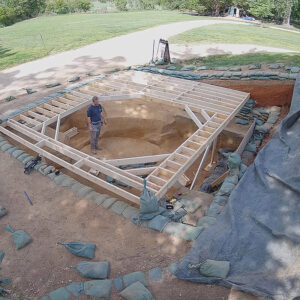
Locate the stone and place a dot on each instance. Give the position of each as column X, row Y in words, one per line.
column 17, row 153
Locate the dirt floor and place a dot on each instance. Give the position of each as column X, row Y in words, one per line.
column 58, row 214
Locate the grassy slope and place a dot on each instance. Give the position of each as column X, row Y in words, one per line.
column 39, row 37
column 240, row 34
column 246, row 59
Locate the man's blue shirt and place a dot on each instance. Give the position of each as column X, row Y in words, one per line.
column 94, row 112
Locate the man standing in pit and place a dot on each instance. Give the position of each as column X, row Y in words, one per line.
column 95, row 121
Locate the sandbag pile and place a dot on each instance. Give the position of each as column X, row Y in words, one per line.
column 260, row 75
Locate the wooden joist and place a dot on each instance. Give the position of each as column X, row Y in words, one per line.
column 215, row 106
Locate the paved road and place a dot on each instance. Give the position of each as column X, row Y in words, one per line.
column 130, row 49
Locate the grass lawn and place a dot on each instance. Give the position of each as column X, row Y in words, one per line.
column 42, row 36
column 240, row 34
column 245, row 59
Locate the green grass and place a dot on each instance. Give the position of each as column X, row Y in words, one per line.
column 42, row 36
column 245, row 59
column 240, row 34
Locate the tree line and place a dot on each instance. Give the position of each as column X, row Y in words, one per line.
column 12, row 11
column 280, row 11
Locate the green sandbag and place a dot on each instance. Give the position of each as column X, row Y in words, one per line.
column 212, row 268
column 20, row 237
column 10, row 98
column 98, row 288
column 51, row 85
column 135, row 277
column 30, row 91
column 226, row 189
column 94, row 270
column 241, row 121
column 81, row 249
column 136, row 291
column 3, row 211
column 60, row 294
column 74, row 79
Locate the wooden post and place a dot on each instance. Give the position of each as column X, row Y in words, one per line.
column 200, row 166
column 57, row 128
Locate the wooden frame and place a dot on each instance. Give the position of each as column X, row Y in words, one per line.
column 216, row 107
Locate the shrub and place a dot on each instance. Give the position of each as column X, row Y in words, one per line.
column 7, row 16
column 121, row 5
column 60, row 7
column 83, row 5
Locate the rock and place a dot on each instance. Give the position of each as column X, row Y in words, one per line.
column 3, row 211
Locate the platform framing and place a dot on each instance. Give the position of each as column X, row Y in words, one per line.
column 210, row 107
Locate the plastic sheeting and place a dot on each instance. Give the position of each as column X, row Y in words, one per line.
column 258, row 232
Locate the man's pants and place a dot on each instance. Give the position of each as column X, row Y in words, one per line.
column 95, row 135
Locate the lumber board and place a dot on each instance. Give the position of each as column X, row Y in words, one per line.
column 74, row 169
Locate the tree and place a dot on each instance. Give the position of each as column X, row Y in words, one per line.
column 262, row 9
column 283, row 10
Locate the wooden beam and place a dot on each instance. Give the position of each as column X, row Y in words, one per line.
column 75, row 154
column 200, row 166
column 193, row 117
column 141, row 171
column 29, row 120
column 57, row 128
column 137, row 160
column 129, row 196
column 246, row 138
column 37, row 116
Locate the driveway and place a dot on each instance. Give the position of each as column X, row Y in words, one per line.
column 130, row 49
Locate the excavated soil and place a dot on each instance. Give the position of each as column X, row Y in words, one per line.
column 264, row 92
column 58, row 214
column 134, row 128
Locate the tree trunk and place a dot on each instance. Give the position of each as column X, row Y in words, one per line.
column 287, row 13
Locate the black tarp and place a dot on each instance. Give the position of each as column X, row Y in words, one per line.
column 258, row 231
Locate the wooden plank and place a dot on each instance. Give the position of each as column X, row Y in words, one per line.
column 45, row 112
column 137, row 160
column 193, row 116
column 37, row 116
column 246, row 139
column 141, row 171
column 219, row 180
column 191, row 160
column 29, row 120
column 92, row 162
column 53, row 108
column 123, row 193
